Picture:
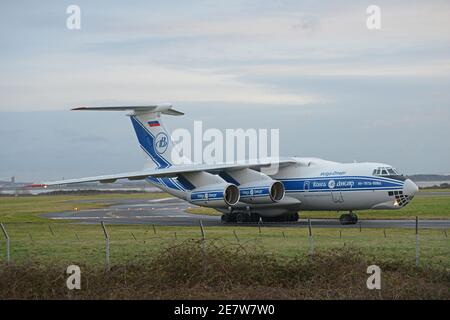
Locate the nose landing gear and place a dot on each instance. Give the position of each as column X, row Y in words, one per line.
column 348, row 218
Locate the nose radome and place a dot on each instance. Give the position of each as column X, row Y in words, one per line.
column 410, row 188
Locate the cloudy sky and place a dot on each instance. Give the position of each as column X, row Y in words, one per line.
column 334, row 88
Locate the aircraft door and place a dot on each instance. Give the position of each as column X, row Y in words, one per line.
column 306, row 186
column 337, row 196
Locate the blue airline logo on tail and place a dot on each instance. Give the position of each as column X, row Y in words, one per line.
column 152, row 145
column 161, row 142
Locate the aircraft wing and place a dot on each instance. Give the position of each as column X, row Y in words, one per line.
column 171, row 172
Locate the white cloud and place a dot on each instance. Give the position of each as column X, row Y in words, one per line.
column 224, row 57
column 113, row 81
column 440, row 68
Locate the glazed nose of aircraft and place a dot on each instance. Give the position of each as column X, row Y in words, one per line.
column 410, row 188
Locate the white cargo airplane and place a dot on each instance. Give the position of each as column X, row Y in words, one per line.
column 245, row 194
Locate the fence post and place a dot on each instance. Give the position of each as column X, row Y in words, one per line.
column 203, row 246
column 202, row 230
column 8, row 257
column 154, row 229
column 51, row 230
column 236, row 236
column 105, row 232
column 417, row 243
column 311, row 240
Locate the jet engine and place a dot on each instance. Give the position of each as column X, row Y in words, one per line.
column 215, row 195
column 267, row 191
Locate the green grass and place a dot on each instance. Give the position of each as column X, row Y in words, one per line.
column 85, row 244
column 204, row 211
column 32, row 240
column 28, row 209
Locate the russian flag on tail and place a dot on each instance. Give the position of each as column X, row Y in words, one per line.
column 154, row 123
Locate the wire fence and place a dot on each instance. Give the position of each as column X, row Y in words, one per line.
column 115, row 244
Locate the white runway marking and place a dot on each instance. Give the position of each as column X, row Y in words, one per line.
column 118, row 217
column 168, row 216
column 76, row 218
column 161, row 200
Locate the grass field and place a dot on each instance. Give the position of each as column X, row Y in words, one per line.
column 85, row 244
column 45, row 247
column 32, row 239
column 28, row 209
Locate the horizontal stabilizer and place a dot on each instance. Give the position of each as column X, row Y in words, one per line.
column 165, row 108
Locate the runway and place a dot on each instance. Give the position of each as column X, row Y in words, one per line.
column 172, row 212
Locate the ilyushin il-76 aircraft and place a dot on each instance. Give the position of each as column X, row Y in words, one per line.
column 242, row 192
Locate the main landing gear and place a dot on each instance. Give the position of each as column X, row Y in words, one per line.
column 348, row 218
column 253, row 217
column 290, row 217
column 240, row 217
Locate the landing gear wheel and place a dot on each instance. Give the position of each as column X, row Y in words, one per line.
column 254, row 217
column 354, row 218
column 294, row 217
column 228, row 217
column 348, row 218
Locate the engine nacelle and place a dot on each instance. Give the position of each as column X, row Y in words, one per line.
column 262, row 192
column 215, row 195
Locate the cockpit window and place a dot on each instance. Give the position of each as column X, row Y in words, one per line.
column 385, row 171
column 391, row 171
column 388, row 172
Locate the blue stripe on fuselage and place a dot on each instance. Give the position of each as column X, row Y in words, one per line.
column 341, row 183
